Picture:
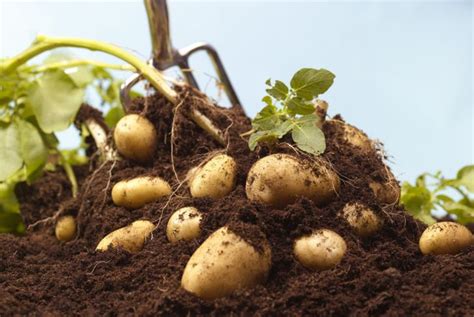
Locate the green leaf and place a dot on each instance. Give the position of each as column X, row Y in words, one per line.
column 464, row 213
column 309, row 138
column 113, row 116
column 308, row 83
column 55, row 100
column 465, row 177
column 279, row 91
column 418, row 202
column 33, row 149
column 80, row 75
column 261, row 136
column 11, row 223
column 297, row 105
column 10, row 151
column 268, row 100
column 267, row 118
column 8, row 201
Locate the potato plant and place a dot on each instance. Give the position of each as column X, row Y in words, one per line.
column 433, row 191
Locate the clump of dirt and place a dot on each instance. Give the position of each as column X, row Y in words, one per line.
column 384, row 274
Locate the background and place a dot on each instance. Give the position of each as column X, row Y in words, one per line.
column 404, row 70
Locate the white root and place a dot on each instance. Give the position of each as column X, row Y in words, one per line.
column 100, row 138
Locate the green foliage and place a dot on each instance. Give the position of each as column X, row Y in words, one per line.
column 36, row 101
column 423, row 197
column 291, row 110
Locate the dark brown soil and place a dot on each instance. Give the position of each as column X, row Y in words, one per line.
column 382, row 275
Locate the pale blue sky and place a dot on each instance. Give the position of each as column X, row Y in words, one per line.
column 404, row 68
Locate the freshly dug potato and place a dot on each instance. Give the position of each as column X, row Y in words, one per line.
column 184, row 224
column 279, row 179
column 386, row 193
column 445, row 238
column 223, row 264
column 362, row 219
column 353, row 136
column 139, row 191
column 215, row 179
column 135, row 138
column 65, row 229
column 321, row 250
column 130, row 238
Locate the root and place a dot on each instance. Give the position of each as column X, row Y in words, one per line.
column 46, row 220
column 172, row 141
column 106, row 189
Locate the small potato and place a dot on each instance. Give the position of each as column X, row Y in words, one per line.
column 184, row 224
column 280, row 179
column 386, row 193
column 215, row 179
column 65, row 228
column 362, row 219
column 130, row 238
column 139, row 191
column 223, row 264
column 135, row 138
column 353, row 136
column 321, row 250
column 445, row 238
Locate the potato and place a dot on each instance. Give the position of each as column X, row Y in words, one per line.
column 445, row 238
column 139, row 191
column 321, row 250
column 65, row 229
column 130, row 238
column 223, row 264
column 387, row 192
column 135, row 138
column 362, row 219
column 184, row 224
column 353, row 136
column 215, row 179
column 279, row 180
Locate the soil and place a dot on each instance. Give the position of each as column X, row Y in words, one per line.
column 383, row 275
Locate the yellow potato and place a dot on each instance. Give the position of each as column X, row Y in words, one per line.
column 215, row 179
column 139, row 191
column 130, row 238
column 223, row 264
column 321, row 250
column 279, row 180
column 65, row 228
column 362, row 219
column 353, row 136
column 386, row 193
column 184, row 224
column 445, row 238
column 135, row 138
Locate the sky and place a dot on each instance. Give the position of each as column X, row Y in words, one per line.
column 404, row 69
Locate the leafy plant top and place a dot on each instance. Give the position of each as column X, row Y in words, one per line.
column 432, row 191
column 291, row 110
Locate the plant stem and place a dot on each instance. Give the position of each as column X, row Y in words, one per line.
column 70, row 174
column 79, row 62
column 45, row 43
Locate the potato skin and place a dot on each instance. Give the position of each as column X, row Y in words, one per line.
column 215, row 179
column 223, row 264
column 280, row 179
column 65, row 229
column 352, row 135
column 386, row 193
column 184, row 224
column 139, row 191
column 135, row 138
column 321, row 250
column 130, row 238
column 362, row 219
column 445, row 238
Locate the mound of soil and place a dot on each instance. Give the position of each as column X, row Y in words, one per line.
column 382, row 275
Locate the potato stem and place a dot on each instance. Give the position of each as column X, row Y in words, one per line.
column 206, row 124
